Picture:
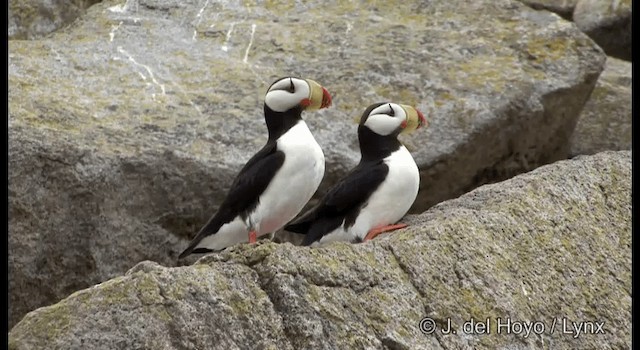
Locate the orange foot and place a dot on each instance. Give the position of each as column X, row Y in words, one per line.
column 378, row 230
column 252, row 237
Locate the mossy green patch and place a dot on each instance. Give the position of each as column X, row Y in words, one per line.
column 482, row 71
column 549, row 48
column 177, row 291
column 400, row 95
column 278, row 6
column 50, row 323
column 147, row 288
column 117, row 291
column 240, row 304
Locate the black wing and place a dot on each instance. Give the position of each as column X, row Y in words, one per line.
column 342, row 202
column 243, row 195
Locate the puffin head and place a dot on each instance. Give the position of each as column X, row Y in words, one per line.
column 295, row 93
column 388, row 118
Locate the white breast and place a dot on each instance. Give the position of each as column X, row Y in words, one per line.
column 294, row 184
column 389, row 203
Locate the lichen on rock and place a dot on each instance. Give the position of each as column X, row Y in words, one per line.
column 127, row 127
column 552, row 244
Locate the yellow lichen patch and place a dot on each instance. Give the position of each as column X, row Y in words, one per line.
column 329, row 302
column 239, row 303
column 49, row 322
column 114, row 292
column 549, row 49
column 315, row 294
column 401, row 95
column 200, row 147
column 535, row 72
column 473, row 302
column 407, row 96
column 148, row 289
column 333, row 263
column 484, row 70
column 445, row 96
column 52, row 124
column 279, row 6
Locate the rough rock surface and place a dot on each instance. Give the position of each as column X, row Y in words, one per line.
column 32, row 19
column 608, row 23
column 127, row 127
column 563, row 8
column 605, row 122
column 551, row 244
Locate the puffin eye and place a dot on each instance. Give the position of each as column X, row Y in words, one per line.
column 392, row 112
column 292, row 87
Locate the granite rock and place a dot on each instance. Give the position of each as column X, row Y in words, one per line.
column 608, row 23
column 606, row 120
column 543, row 249
column 127, row 127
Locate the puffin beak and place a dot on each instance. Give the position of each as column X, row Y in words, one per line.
column 319, row 97
column 423, row 121
column 415, row 120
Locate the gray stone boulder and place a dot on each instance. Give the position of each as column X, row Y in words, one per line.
column 605, row 122
column 80, row 215
column 563, row 8
column 548, row 250
column 32, row 19
column 608, row 23
column 127, row 127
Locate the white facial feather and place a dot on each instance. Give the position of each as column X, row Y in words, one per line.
column 385, row 119
column 280, row 99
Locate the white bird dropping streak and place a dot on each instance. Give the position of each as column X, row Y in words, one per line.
column 153, row 78
column 246, row 53
column 124, row 7
column 199, row 18
column 118, row 8
column 225, row 48
column 112, row 34
column 58, row 57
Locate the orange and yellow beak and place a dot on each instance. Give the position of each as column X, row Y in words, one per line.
column 319, row 97
column 415, row 120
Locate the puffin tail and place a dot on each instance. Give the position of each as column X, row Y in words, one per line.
column 210, row 228
column 190, row 249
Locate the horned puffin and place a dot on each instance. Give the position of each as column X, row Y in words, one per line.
column 375, row 194
column 276, row 183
